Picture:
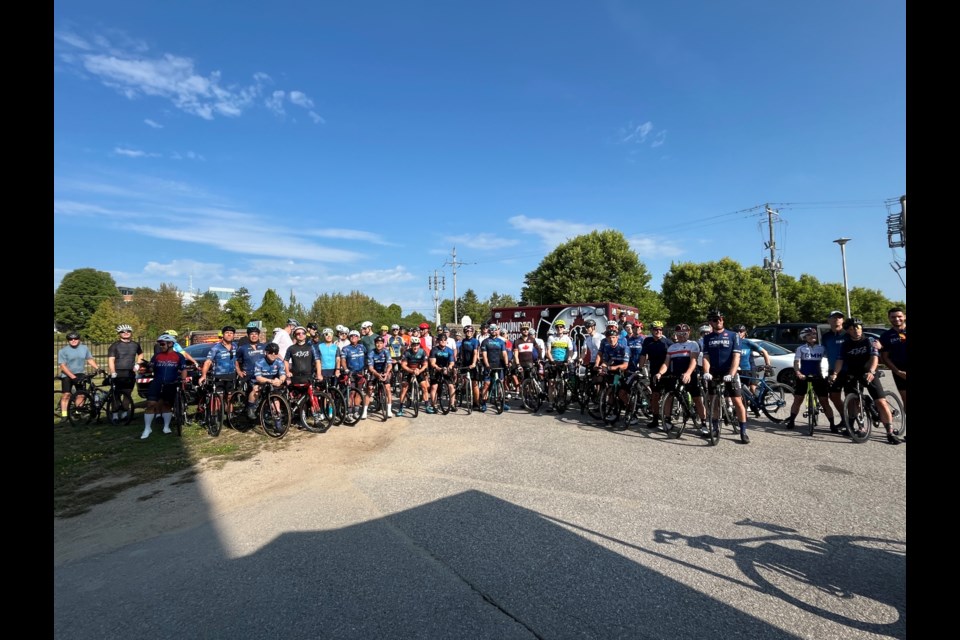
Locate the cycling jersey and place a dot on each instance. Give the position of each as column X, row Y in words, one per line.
column 856, row 354
column 354, row 357
column 167, row 367
column 561, row 347
column 894, row 342
column 656, row 351
column 414, row 358
column 747, row 347
column 810, row 357
column 591, row 347
column 495, row 350
column 249, row 355
column 467, row 348
column 527, row 352
column 327, row 352
column 719, row 347
column 302, row 362
column 680, row 354
column 395, row 345
column 269, row 370
column 125, row 355
column 635, row 347
column 613, row 354
column 442, row 356
column 222, row 358
column 379, row 360
column 832, row 341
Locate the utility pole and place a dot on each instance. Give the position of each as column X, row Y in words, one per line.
column 773, row 264
column 453, row 263
column 897, row 234
column 436, row 282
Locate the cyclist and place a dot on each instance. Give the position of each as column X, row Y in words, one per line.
column 591, row 342
column 653, row 354
column 168, row 366
column 283, row 336
column 451, row 341
column 313, row 333
column 469, row 354
column 860, row 355
column 560, row 346
column 721, row 357
column 832, row 342
column 634, row 343
column 426, row 340
column 379, row 364
column 72, row 360
column 747, row 349
column 681, row 366
column 343, row 335
column 441, row 370
column 366, row 335
column 494, row 353
column 328, row 353
column 414, row 365
column 354, row 358
column 249, row 354
column 270, row 370
column 123, row 361
column 178, row 349
column 525, row 353
column 221, row 360
column 613, row 359
column 894, row 352
column 806, row 366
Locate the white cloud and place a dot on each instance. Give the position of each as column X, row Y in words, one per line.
column 659, row 139
column 274, row 102
column 349, row 234
column 648, row 247
column 552, row 232
column 300, row 99
column 482, row 241
column 71, row 208
column 378, row 276
column 316, row 117
column 638, row 134
column 155, row 125
column 134, row 153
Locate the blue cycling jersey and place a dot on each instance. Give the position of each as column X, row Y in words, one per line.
column 222, row 359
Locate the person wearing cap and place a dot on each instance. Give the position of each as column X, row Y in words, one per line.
column 354, row 357
column 414, row 366
column 313, row 333
column 168, row 370
column 634, row 343
column 72, row 361
column 747, row 350
column 379, row 365
column 282, row 336
column 384, row 333
column 832, row 342
column 328, row 353
column 249, row 355
column 653, row 353
column 451, row 341
column 467, row 355
column 441, row 370
column 526, row 354
column 123, row 361
column 591, row 343
column 680, row 367
column 721, row 360
column 806, row 367
column 560, row 346
column 426, row 340
column 222, row 360
column 366, row 335
column 612, row 361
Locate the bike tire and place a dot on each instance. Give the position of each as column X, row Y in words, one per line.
column 899, row 417
column 496, row 396
column 530, row 395
column 235, row 411
column 609, row 406
column 354, row 406
column 179, row 413
column 715, row 415
column 316, row 419
column 465, row 394
column 275, row 415
column 560, row 401
column 214, row 414
column 856, row 417
column 412, row 402
column 443, row 397
column 775, row 402
column 674, row 418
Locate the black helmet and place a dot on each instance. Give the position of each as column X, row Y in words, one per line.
column 714, row 314
column 313, row 325
column 73, row 335
column 273, row 348
column 740, row 327
column 590, row 323
column 852, row 322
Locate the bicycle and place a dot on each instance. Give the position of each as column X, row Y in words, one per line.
column 860, row 412
column 411, row 402
column 273, row 410
column 721, row 410
column 610, row 402
column 771, row 397
column 93, row 395
column 811, row 407
column 378, row 399
column 531, row 391
column 463, row 392
column 640, row 401
column 677, row 410
column 215, row 403
column 113, row 406
column 312, row 408
column 556, row 386
column 356, row 396
column 495, row 394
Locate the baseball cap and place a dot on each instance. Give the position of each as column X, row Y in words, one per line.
column 835, row 314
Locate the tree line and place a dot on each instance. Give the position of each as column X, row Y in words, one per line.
column 595, row 267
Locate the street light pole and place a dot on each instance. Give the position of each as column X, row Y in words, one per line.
column 843, row 256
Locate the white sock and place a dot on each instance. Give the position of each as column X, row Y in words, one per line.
column 166, row 421
column 123, row 415
column 147, row 430
column 116, row 416
column 148, row 419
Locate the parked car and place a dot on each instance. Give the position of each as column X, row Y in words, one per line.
column 781, row 359
column 199, row 352
column 787, row 334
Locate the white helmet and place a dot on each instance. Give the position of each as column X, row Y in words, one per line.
column 166, row 337
column 124, row 327
column 342, row 329
column 366, row 323
column 354, row 333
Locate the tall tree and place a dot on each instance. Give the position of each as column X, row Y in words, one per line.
column 580, row 269
column 104, row 321
column 691, row 289
column 238, row 310
column 271, row 311
column 79, row 295
column 296, row 310
column 204, row 312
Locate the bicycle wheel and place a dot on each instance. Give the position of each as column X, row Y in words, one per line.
column 354, row 407
column 214, row 414
column 465, row 394
column 275, row 415
column 443, row 397
column 673, row 414
column 609, row 405
column 98, row 400
column 856, row 417
column 899, row 421
column 179, row 411
column 775, row 401
column 714, row 417
column 496, row 395
column 75, row 414
column 319, row 418
column 593, row 401
column 411, row 403
column 530, row 395
column 235, row 411
column 558, row 395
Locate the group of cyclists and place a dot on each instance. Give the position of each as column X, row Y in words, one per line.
column 717, row 363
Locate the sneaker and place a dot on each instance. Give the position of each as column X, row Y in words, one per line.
column 653, row 423
column 123, row 415
column 363, row 416
column 430, row 409
column 167, row 430
column 389, row 413
column 704, row 432
column 400, row 412
column 483, row 407
column 744, row 438
column 251, row 415
column 146, row 433
column 667, row 425
column 834, row 428
column 790, row 424
column 892, row 439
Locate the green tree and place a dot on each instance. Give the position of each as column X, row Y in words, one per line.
column 204, row 313
column 296, row 310
column 102, row 326
column 238, row 311
column 691, row 289
column 870, row 305
column 79, row 295
column 159, row 310
column 579, row 271
column 271, row 311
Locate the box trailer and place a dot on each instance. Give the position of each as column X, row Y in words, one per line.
column 543, row 318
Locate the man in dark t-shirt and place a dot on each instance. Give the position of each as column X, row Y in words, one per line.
column 123, row 361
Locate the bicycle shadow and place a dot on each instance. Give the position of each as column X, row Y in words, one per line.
column 856, row 581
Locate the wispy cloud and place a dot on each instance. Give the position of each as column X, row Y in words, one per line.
column 127, row 68
column 482, row 241
column 638, row 134
column 134, row 153
column 349, row 234
column 551, row 232
column 187, row 155
column 648, row 247
column 151, row 123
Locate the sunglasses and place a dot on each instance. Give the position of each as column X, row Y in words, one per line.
column 657, row 329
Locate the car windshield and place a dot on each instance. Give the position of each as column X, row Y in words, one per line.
column 199, row 351
column 771, row 348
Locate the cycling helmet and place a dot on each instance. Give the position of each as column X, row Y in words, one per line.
column 524, row 325
column 394, row 326
column 739, row 327
column 165, row 337
column 124, row 327
column 424, row 325
column 612, row 330
column 273, row 348
column 253, row 329
column 342, row 329
column 492, row 327
column 852, row 322
column 171, row 332
column 705, row 328
column 313, row 325
column 682, row 328
column 73, row 335
column 354, row 332
column 590, row 323
column 384, row 327
column 656, row 324
column 807, row 331
column 366, row 324
column 714, row 314
column 560, row 323
column 414, row 340
column 327, row 331
column 291, row 322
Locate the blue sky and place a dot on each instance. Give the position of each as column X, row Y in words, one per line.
column 322, row 147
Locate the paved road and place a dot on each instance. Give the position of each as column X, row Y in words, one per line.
column 521, row 526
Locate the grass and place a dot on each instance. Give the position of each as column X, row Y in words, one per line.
column 93, row 463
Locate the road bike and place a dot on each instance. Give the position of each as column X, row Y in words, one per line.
column 531, row 390
column 215, row 411
column 678, row 409
column 860, row 412
column 496, row 394
column 87, row 399
column 463, row 394
column 772, row 398
column 411, row 402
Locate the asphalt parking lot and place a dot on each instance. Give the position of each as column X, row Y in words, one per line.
column 526, row 526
